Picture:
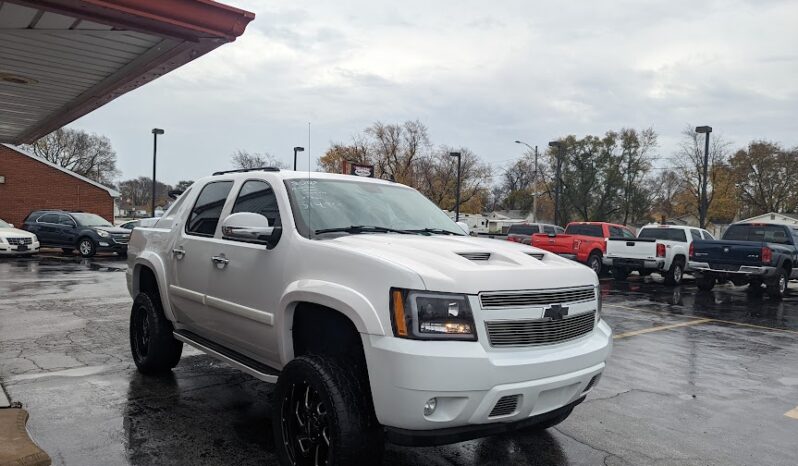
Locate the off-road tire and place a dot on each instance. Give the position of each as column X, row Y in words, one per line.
column 620, row 273
column 705, row 282
column 348, row 426
column 595, row 263
column 675, row 274
column 155, row 350
column 777, row 286
column 86, row 247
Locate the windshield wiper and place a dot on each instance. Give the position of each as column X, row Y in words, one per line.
column 436, row 231
column 357, row 229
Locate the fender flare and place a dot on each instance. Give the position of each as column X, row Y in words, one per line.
column 349, row 302
column 155, row 263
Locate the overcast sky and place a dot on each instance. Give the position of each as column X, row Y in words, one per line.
column 478, row 74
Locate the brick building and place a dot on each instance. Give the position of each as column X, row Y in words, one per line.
column 29, row 183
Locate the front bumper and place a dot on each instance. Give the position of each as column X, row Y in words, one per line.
column 467, row 380
column 744, row 270
column 109, row 245
column 13, row 250
column 635, row 264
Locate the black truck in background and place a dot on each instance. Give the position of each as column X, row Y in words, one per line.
column 755, row 254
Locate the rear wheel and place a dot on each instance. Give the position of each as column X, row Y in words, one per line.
column 154, row 347
column 675, row 274
column 705, row 282
column 777, row 287
column 620, row 273
column 594, row 262
column 323, row 414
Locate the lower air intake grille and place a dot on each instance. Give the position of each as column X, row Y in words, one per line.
column 539, row 331
column 591, row 384
column 506, row 405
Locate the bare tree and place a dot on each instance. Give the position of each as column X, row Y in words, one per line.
column 664, row 188
column 689, row 163
column 88, row 155
column 437, row 179
column 137, row 192
column 395, row 148
column 242, row 159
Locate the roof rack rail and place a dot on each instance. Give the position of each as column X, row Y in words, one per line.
column 242, row 170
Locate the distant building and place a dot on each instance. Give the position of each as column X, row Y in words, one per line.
column 28, row 183
column 773, row 217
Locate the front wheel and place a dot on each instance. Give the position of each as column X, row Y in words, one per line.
column 323, row 415
column 86, row 247
column 777, row 287
column 705, row 282
column 154, row 347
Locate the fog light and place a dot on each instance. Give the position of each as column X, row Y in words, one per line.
column 103, row 244
column 429, row 406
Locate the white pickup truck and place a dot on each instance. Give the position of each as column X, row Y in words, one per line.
column 376, row 317
column 662, row 249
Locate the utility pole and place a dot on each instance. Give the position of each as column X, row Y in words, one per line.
column 558, row 145
column 534, row 182
column 457, row 195
column 704, row 203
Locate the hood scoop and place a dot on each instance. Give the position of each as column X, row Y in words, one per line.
column 475, row 256
column 537, row 255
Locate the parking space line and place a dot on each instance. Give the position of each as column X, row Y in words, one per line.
column 660, row 327
column 793, row 413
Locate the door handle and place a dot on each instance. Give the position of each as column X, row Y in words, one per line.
column 220, row 261
column 179, row 252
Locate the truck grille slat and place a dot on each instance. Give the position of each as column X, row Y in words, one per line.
column 495, row 300
column 540, row 331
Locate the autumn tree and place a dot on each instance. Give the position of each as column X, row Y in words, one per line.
column 88, row 155
column 357, row 152
column 767, row 177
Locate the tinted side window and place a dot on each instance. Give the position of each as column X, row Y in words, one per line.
column 522, row 230
column 707, row 235
column 65, row 220
column 205, row 215
column 258, row 197
column 628, row 234
column 585, row 230
column 549, row 229
column 695, row 234
column 616, row 232
column 48, row 218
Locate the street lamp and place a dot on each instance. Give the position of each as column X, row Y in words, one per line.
column 702, row 210
column 534, row 182
column 155, row 133
column 559, row 145
column 457, row 195
column 297, row 149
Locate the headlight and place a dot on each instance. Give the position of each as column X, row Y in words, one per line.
column 427, row 315
column 599, row 303
column 103, row 233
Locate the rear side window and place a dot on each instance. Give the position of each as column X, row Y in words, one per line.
column 616, row 232
column 695, row 234
column 758, row 233
column 258, row 197
column 548, row 229
column 522, row 230
column 665, row 234
column 205, row 215
column 585, row 230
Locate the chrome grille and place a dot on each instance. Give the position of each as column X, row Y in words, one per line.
column 19, row 241
column 539, row 331
column 536, row 298
column 475, row 256
column 506, row 405
column 120, row 238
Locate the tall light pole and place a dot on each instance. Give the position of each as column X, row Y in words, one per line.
column 297, row 149
column 557, row 184
column 457, row 195
column 534, row 182
column 702, row 209
column 155, row 133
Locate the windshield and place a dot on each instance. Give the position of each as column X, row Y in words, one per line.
column 333, row 204
column 91, row 220
column 4, row 224
column 667, row 234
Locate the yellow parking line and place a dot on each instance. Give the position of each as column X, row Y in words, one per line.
column 661, row 327
column 793, row 413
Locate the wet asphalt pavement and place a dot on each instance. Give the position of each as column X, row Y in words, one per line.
column 695, row 378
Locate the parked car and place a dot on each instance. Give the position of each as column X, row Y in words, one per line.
column 14, row 241
column 584, row 242
column 130, row 225
column 662, row 249
column 749, row 253
column 522, row 232
column 86, row 232
column 376, row 316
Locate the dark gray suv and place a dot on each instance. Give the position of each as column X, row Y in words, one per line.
column 86, row 232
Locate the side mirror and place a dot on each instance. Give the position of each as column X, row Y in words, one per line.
column 250, row 228
column 464, row 227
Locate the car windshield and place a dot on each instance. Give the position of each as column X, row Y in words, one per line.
column 4, row 224
column 91, row 220
column 363, row 207
column 667, row 234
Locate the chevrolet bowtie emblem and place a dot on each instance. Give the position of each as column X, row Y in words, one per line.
column 556, row 312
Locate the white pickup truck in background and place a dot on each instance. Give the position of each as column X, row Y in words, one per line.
column 662, row 249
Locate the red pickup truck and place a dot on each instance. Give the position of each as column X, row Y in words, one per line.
column 585, row 242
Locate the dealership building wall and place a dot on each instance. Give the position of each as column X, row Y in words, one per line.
column 30, row 183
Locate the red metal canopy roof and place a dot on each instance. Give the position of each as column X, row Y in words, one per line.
column 61, row 59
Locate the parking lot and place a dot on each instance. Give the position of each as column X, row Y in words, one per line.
column 695, row 378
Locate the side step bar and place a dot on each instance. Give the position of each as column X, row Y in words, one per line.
column 239, row 361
